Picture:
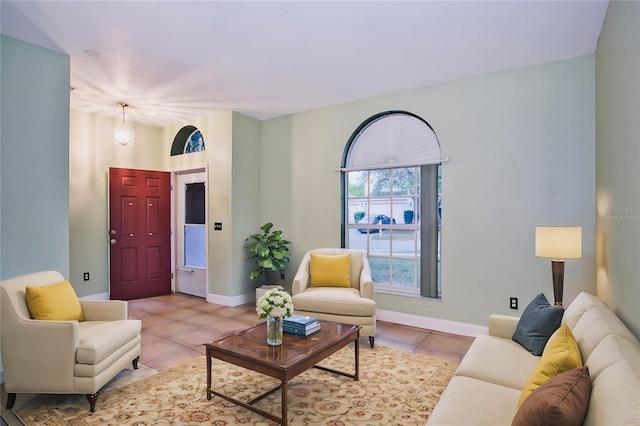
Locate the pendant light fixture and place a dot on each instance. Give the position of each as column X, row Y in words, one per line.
column 123, row 135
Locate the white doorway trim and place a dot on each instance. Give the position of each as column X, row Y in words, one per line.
column 175, row 174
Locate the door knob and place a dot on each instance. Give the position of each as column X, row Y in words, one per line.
column 112, row 232
column 113, row 241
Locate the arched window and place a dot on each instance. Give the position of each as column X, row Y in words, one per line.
column 188, row 139
column 392, row 201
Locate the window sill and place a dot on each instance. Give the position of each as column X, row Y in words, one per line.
column 404, row 294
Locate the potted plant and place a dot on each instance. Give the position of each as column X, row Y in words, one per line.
column 271, row 253
column 408, row 216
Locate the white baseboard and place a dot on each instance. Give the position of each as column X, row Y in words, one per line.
column 211, row 298
column 231, row 300
column 429, row 323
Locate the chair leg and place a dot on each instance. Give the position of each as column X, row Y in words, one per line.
column 371, row 338
column 92, row 398
column 135, row 362
column 11, row 399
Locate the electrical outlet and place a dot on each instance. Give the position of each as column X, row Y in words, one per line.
column 513, row 302
column 86, row 276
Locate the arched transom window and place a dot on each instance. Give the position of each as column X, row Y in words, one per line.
column 188, row 139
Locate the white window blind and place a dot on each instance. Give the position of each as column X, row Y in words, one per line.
column 394, row 140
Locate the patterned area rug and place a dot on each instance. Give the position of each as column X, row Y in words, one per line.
column 395, row 388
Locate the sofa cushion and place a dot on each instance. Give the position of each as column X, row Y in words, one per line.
column 471, row 402
column 615, row 396
column 591, row 320
column 538, row 322
column 497, row 360
column 561, row 401
column 560, row 354
column 99, row 339
column 330, row 271
column 337, row 301
column 611, row 350
column 54, row 302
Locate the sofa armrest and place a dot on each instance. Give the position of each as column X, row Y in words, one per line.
column 502, row 325
column 39, row 355
column 366, row 283
column 302, row 279
column 104, row 310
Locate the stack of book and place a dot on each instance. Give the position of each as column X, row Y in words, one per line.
column 301, row 325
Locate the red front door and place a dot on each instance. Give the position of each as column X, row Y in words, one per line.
column 139, row 233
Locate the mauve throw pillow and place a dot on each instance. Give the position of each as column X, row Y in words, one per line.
column 537, row 323
column 562, row 400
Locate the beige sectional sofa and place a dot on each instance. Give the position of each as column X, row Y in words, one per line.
column 487, row 385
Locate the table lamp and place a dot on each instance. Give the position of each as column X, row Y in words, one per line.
column 558, row 243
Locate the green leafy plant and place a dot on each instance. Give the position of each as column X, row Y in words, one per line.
column 270, row 251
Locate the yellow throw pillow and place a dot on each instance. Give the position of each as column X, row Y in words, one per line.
column 54, row 302
column 330, row 271
column 560, row 354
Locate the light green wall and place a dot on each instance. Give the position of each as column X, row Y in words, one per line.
column 91, row 153
column 276, row 151
column 522, row 148
column 34, row 156
column 618, row 162
column 245, row 200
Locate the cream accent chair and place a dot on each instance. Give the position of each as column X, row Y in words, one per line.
column 63, row 357
column 353, row 305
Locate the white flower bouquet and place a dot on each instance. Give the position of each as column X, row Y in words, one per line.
column 275, row 303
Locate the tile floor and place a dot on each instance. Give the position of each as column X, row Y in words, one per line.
column 174, row 328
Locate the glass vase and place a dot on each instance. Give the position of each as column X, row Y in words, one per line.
column 274, row 331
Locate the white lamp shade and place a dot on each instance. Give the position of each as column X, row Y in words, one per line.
column 123, row 136
column 559, row 242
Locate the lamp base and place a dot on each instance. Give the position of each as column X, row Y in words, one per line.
column 557, row 271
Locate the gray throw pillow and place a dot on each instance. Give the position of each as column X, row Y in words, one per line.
column 537, row 323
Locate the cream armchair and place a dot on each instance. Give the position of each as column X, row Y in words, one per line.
column 353, row 305
column 63, row 357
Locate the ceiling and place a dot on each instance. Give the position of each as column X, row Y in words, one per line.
column 175, row 60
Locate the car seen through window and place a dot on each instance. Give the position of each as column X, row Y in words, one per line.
column 379, row 219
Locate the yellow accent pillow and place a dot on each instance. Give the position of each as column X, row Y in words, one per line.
column 560, row 354
column 54, row 302
column 330, row 271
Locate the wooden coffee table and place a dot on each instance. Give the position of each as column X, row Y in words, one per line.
column 249, row 349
